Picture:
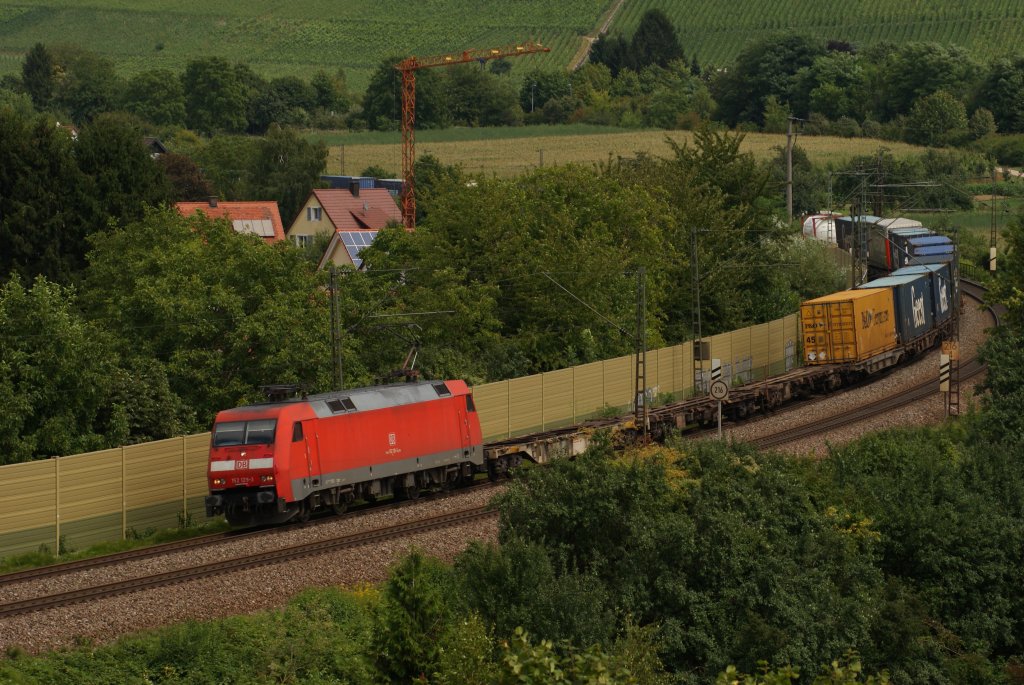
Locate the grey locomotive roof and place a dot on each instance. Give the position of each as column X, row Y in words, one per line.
column 365, row 399
column 377, row 397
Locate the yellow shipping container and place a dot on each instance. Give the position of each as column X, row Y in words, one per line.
column 848, row 326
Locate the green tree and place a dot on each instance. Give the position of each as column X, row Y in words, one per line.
column 568, row 223
column 414, row 618
column 224, row 313
column 42, row 222
column 227, row 161
column 157, row 96
column 982, row 123
column 810, row 182
column 776, row 115
column 37, row 76
column 1002, row 92
column 187, row 181
column 916, row 70
column 539, row 86
column 286, row 168
column 613, row 52
column 87, row 84
column 216, row 97
column 122, row 177
column 286, row 101
column 1003, row 421
column 543, row 663
column 331, row 91
column 475, row 97
column 382, row 102
column 936, row 119
column 834, row 85
column 518, row 586
column 655, row 41
column 767, row 67
column 63, row 386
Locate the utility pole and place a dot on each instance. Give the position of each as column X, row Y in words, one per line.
column 789, row 170
column 789, row 167
column 698, row 345
column 641, row 412
column 993, row 231
column 336, row 328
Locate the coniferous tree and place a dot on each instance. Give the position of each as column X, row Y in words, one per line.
column 655, row 41
column 37, row 76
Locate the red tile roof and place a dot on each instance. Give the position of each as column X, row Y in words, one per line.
column 240, row 211
column 373, row 208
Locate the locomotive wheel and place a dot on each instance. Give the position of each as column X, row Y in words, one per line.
column 340, row 506
column 303, row 514
column 412, row 492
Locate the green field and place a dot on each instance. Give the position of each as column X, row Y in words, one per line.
column 509, row 151
column 718, row 29
column 302, row 36
column 298, row 37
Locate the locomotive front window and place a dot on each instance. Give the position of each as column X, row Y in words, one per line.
column 259, row 432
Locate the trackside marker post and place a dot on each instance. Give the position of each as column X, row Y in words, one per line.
column 720, row 391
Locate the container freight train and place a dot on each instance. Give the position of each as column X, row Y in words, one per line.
column 881, row 322
column 278, row 461
column 892, row 244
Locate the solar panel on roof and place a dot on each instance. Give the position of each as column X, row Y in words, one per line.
column 355, row 241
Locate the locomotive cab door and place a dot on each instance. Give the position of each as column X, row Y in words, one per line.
column 310, row 457
column 465, row 439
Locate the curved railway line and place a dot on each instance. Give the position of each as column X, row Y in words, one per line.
column 968, row 369
column 549, row 442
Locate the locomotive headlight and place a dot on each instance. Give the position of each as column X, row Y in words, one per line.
column 220, row 481
column 266, row 479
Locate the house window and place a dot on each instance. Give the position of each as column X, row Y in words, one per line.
column 303, row 240
column 314, row 213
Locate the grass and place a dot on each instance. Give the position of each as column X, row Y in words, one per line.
column 511, row 151
column 294, row 38
column 21, row 562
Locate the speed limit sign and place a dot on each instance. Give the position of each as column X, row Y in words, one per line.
column 719, row 390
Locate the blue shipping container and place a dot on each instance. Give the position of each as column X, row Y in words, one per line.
column 335, row 182
column 912, row 296
column 944, row 295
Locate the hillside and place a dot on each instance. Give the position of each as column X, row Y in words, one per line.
column 305, row 35
column 718, row 29
column 295, row 38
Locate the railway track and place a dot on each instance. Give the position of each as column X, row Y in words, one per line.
column 968, row 370
column 916, row 393
column 42, row 572
column 241, row 563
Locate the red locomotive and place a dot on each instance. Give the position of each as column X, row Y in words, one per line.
column 273, row 462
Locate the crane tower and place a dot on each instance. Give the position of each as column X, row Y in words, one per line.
column 408, row 67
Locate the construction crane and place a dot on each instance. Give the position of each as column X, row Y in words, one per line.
column 409, row 67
